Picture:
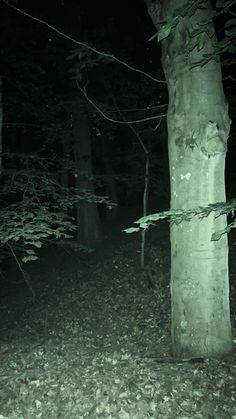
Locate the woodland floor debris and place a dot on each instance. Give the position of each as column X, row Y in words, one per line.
column 86, row 347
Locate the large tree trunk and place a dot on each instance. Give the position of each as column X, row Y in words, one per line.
column 198, row 127
column 89, row 226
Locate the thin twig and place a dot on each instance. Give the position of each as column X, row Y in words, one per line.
column 116, row 121
column 22, row 271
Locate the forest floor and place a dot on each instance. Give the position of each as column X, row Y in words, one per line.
column 90, row 345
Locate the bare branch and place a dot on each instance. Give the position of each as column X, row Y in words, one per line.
column 116, row 121
column 104, row 54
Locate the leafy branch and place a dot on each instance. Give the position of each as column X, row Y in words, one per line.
column 177, row 216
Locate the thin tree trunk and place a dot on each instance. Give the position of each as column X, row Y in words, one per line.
column 89, row 226
column 198, row 127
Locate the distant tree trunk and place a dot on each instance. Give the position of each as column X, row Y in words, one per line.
column 109, row 179
column 198, row 128
column 1, row 121
column 89, row 226
column 65, row 163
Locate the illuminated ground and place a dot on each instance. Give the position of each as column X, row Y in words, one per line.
column 88, row 347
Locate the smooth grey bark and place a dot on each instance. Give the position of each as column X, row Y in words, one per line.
column 89, row 226
column 198, row 128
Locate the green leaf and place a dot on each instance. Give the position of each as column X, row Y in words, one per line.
column 164, row 32
column 144, row 226
column 28, row 258
column 201, row 41
column 30, row 251
column 37, row 244
column 216, row 236
column 131, row 230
